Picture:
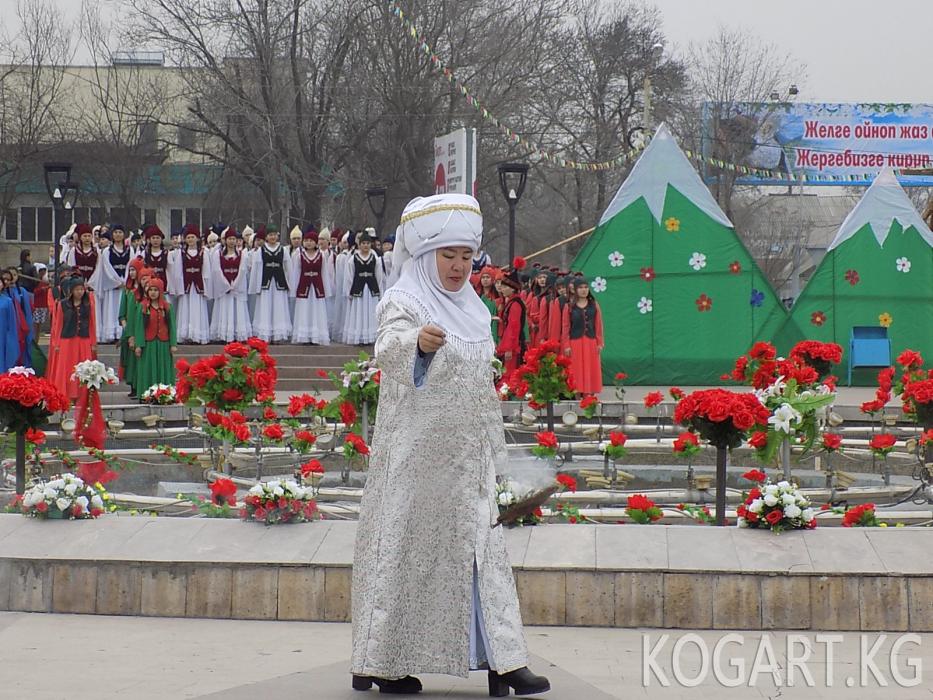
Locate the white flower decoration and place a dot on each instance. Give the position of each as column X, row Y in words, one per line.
column 644, row 305
column 616, row 259
column 599, row 285
column 783, row 416
column 697, row 261
column 903, row 265
column 26, row 371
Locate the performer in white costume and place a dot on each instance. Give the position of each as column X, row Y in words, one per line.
column 228, row 267
column 312, row 283
column 270, row 270
column 430, row 599
column 362, row 287
column 189, row 286
column 108, row 280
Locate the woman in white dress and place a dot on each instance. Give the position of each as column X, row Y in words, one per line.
column 228, row 267
column 429, row 598
column 108, row 280
column 312, row 283
column 362, row 288
column 189, row 286
column 270, row 270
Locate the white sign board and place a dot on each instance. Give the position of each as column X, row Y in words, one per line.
column 455, row 162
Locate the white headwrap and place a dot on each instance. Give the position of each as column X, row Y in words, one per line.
column 428, row 224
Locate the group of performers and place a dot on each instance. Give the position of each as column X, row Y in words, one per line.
column 530, row 307
column 320, row 287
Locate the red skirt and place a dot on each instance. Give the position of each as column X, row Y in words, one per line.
column 586, row 366
column 62, row 360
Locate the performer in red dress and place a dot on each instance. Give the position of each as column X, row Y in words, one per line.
column 558, row 310
column 512, row 339
column 583, row 340
column 74, row 336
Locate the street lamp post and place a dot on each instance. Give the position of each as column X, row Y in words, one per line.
column 512, row 179
column 657, row 51
column 376, row 197
column 63, row 193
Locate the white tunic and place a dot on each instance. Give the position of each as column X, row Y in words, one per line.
column 271, row 318
column 360, row 320
column 424, row 521
column 230, row 319
column 310, row 323
column 107, row 284
column 192, row 321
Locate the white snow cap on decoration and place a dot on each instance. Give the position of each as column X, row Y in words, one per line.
column 883, row 203
column 663, row 164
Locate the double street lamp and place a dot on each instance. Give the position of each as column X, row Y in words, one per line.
column 64, row 194
column 376, row 197
column 512, row 179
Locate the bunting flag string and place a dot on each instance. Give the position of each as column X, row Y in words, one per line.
column 535, row 153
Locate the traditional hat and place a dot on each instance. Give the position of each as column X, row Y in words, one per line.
column 117, row 227
column 324, row 235
column 512, row 277
column 212, row 238
column 157, row 283
column 105, row 233
column 295, row 232
column 260, row 233
column 440, row 221
column 152, row 230
column 192, row 230
column 272, row 228
column 70, row 283
column 310, row 235
column 364, row 237
column 81, row 229
column 218, row 228
column 231, row 232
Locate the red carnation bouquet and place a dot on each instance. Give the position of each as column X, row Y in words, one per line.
column 862, row 515
column 243, row 374
column 721, row 417
column 27, row 401
column 544, row 376
column 819, row 356
column 914, row 387
column 642, row 509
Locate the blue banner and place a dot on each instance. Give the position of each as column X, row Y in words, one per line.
column 818, row 144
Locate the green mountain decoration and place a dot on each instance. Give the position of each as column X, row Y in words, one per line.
column 680, row 295
column 878, row 271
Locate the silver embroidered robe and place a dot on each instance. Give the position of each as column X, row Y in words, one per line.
column 426, row 513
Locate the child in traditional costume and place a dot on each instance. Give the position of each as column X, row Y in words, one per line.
column 155, row 339
column 486, row 288
column 312, row 284
column 189, row 286
column 229, row 271
column 23, row 309
column 557, row 312
column 108, row 280
column 270, row 270
column 9, row 325
column 363, row 287
column 583, row 340
column 137, row 276
column 74, row 337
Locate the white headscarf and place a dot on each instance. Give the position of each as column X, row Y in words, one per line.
column 429, row 224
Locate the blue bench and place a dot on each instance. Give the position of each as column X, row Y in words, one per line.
column 869, row 346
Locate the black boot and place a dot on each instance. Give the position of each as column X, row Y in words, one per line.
column 521, row 680
column 409, row 685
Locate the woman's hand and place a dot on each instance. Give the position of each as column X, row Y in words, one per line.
column 139, row 352
column 431, row 339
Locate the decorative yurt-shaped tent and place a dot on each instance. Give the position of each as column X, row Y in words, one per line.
column 878, row 271
column 681, row 297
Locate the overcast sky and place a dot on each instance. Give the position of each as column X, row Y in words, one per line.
column 854, row 50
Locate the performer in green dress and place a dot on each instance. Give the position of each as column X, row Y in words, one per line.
column 137, row 277
column 155, row 339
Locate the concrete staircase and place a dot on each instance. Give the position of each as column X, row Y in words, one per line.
column 297, row 364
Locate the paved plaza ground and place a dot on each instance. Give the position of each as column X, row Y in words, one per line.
column 78, row 657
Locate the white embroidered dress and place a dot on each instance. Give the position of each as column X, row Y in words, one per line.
column 426, row 514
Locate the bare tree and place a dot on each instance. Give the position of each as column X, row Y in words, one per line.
column 34, row 51
column 733, row 67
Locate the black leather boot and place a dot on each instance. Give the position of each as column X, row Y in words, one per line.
column 409, row 685
column 521, row 680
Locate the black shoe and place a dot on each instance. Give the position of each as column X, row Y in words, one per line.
column 409, row 685
column 521, row 680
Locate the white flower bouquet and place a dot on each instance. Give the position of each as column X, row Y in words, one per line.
column 280, row 501
column 776, row 506
column 93, row 374
column 159, row 394
column 63, row 497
